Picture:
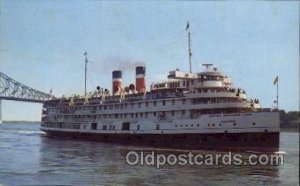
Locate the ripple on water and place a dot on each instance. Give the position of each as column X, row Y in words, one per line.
column 28, row 157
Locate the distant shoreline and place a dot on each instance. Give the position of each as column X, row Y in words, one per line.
column 21, row 122
column 289, row 129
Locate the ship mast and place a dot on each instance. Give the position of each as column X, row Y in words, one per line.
column 189, row 44
column 85, row 69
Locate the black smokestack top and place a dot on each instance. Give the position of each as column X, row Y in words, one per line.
column 140, row 70
column 117, row 74
column 116, row 81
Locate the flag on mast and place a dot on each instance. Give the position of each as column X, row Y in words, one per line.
column 187, row 26
column 276, row 80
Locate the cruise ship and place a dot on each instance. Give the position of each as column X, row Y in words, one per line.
column 191, row 111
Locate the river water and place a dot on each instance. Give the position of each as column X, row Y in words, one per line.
column 29, row 157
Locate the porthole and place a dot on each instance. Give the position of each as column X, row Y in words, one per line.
column 175, row 125
column 208, row 124
column 213, row 124
column 226, row 131
column 192, row 125
column 198, row 125
column 220, row 124
column 234, row 124
column 186, row 125
column 253, row 123
column 266, row 130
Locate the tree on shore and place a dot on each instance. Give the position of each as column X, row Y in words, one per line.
column 290, row 119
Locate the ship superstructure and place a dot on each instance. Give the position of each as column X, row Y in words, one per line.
column 187, row 111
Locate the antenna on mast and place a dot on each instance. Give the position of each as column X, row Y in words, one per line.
column 207, row 65
column 86, row 60
column 189, row 43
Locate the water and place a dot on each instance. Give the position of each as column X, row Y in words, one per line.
column 28, row 157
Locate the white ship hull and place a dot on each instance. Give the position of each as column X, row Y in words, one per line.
column 244, row 131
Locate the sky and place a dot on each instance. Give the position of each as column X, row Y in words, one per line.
column 42, row 45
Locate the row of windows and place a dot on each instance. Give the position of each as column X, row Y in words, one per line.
column 62, row 125
column 214, row 100
column 95, row 100
column 108, row 127
column 162, row 114
column 70, row 110
column 125, row 105
column 125, row 126
column 113, row 127
column 198, row 125
column 116, row 106
column 116, row 116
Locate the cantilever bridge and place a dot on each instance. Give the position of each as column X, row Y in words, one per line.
column 11, row 89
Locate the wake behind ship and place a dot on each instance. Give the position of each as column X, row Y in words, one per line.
column 188, row 111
